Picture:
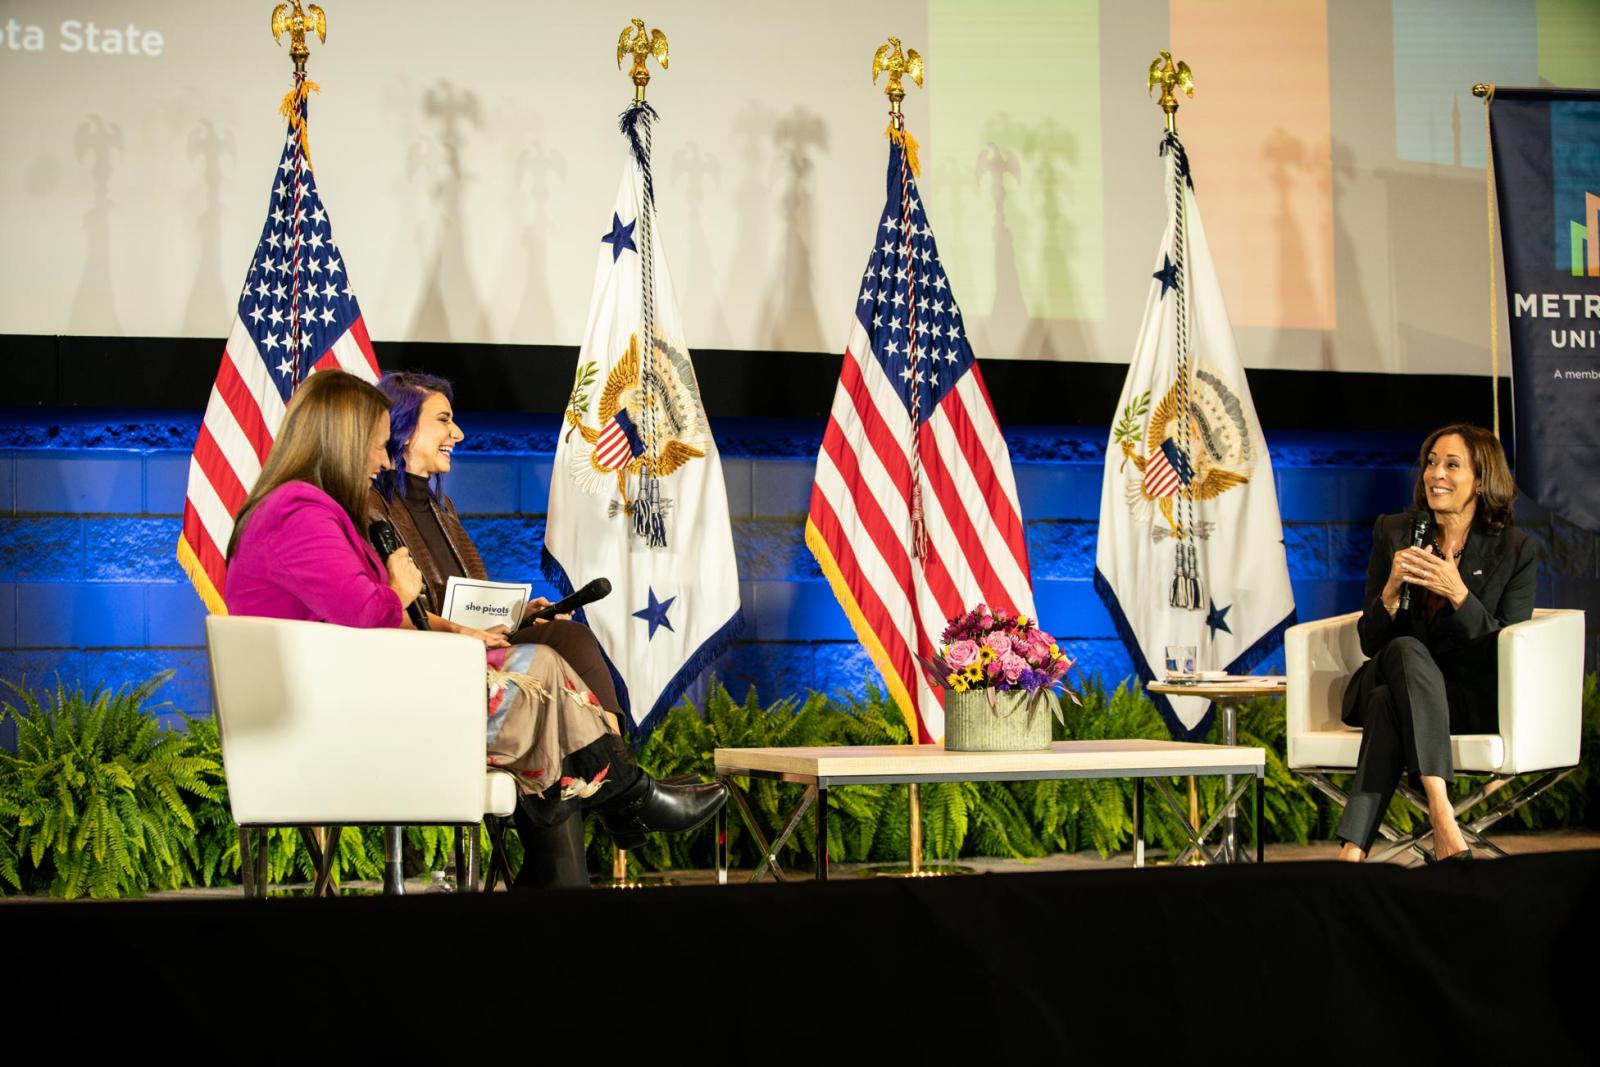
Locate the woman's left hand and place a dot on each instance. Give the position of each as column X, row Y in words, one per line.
column 1427, row 571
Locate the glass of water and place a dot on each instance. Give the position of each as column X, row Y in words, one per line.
column 1180, row 662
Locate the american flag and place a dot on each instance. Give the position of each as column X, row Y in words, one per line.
column 296, row 314
column 914, row 515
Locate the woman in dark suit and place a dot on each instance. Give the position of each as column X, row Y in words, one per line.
column 1433, row 666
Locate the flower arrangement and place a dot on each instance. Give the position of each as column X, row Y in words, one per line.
column 990, row 650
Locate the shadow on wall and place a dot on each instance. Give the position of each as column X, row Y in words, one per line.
column 207, row 299
column 1031, row 268
column 1285, row 158
column 537, row 167
column 449, row 308
column 696, row 168
column 93, row 309
column 790, row 308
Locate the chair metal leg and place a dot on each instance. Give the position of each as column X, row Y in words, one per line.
column 322, row 853
column 394, row 879
column 474, row 872
column 461, row 859
column 499, row 866
column 263, row 838
column 325, row 886
column 247, row 862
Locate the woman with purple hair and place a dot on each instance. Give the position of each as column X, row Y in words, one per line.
column 422, row 438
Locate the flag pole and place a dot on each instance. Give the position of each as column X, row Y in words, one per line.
column 1170, row 74
column 900, row 64
column 1485, row 92
column 298, row 21
column 639, row 43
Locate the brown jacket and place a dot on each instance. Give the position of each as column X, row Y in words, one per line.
column 435, row 573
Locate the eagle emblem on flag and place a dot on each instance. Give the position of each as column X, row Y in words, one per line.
column 1198, row 461
column 618, row 447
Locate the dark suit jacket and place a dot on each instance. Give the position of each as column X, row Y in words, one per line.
column 1500, row 569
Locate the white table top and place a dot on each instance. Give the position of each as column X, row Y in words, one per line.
column 1118, row 758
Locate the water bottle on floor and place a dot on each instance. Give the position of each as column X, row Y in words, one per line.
column 441, row 882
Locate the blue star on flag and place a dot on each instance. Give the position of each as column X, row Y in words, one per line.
column 620, row 237
column 1217, row 617
column 656, row 613
column 1167, row 275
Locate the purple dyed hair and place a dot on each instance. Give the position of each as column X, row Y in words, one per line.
column 407, row 392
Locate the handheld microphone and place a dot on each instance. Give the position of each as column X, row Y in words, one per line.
column 1419, row 534
column 595, row 590
column 387, row 542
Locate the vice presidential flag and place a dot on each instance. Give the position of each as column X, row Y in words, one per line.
column 637, row 494
column 914, row 515
column 1191, row 547
column 296, row 314
column 1546, row 146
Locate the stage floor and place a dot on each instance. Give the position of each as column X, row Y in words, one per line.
column 1517, row 844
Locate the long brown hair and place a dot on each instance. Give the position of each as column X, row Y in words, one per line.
column 323, row 441
column 1497, row 490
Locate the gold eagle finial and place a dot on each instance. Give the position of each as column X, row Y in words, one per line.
column 1167, row 74
column 635, row 40
column 298, row 22
column 889, row 58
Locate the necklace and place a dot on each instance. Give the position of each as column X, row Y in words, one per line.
column 1439, row 550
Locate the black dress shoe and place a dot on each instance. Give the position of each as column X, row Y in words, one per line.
column 653, row 806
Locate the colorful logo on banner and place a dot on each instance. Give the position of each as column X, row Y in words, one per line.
column 1585, row 239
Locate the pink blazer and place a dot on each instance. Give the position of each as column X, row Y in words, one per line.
column 300, row 557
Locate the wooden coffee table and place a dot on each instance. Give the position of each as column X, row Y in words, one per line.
column 820, row 769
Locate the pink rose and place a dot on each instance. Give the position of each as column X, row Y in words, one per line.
column 961, row 655
column 1012, row 665
column 999, row 644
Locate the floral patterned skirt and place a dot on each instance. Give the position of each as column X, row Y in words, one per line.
column 546, row 729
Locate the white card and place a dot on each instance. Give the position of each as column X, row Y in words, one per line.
column 480, row 605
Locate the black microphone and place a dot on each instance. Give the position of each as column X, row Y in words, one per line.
column 598, row 589
column 387, row 542
column 1419, row 534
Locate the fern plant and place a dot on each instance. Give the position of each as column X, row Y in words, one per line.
column 96, row 799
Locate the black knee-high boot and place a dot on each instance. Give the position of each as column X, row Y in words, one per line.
column 552, row 852
column 642, row 805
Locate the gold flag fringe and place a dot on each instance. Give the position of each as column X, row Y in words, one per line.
column 908, row 144
column 290, row 110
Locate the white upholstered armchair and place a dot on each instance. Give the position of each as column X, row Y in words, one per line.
column 331, row 726
column 1541, row 707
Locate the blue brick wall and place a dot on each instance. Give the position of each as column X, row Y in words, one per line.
column 90, row 588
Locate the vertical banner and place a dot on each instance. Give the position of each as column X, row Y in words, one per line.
column 1546, row 148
